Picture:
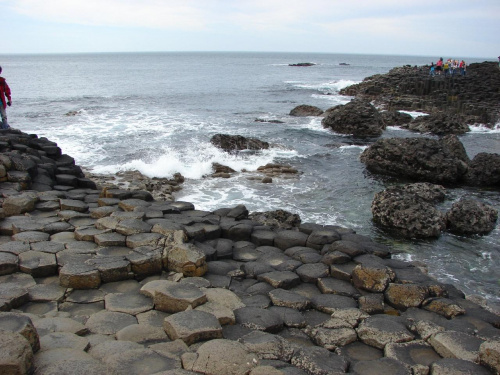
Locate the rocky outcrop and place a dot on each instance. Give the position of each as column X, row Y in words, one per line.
column 439, row 124
column 358, row 117
column 305, row 110
column 233, row 143
column 392, row 118
column 418, row 159
column 410, row 211
column 484, row 170
column 302, row 64
column 407, row 213
column 474, row 96
column 469, row 216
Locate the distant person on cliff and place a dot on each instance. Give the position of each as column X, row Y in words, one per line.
column 446, row 67
column 439, row 66
column 499, row 62
column 4, row 93
column 463, row 67
column 431, row 72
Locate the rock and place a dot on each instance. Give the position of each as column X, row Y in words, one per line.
column 386, row 366
column 267, row 346
column 139, row 361
column 489, row 355
column 415, row 355
column 176, row 297
column 378, row 331
column 141, row 333
column 484, row 170
column 221, row 357
column 392, row 118
column 130, row 303
column 452, row 344
column 330, row 285
column 439, row 124
column 108, row 323
column 329, row 303
column 276, row 219
column 332, row 339
column 403, row 296
column 418, row 159
column 57, row 340
column 319, row 361
column 469, row 216
column 444, row 307
column 452, row 366
column 288, row 238
column 302, row 64
column 305, row 110
column 359, row 118
column 233, row 143
column 16, row 355
column 407, row 214
column 187, row 259
column 280, row 279
column 109, row 348
column 192, row 326
column 373, row 278
column 20, row 324
column 79, row 276
column 19, row 204
column 285, row 298
column 259, row 319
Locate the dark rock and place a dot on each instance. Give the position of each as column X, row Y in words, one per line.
column 469, row 216
column 419, row 159
column 407, row 214
column 302, row 64
column 192, row 326
column 306, row 110
column 358, row 118
column 457, row 367
column 259, row 319
column 439, row 124
column 276, row 219
column 319, row 361
column 386, row 366
column 233, row 143
column 484, row 170
column 392, row 118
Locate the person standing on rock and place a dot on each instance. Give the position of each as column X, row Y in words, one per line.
column 463, row 67
column 4, row 93
column 431, row 72
column 439, row 66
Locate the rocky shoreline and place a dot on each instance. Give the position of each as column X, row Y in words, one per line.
column 116, row 277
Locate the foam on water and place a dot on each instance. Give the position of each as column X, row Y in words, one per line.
column 480, row 128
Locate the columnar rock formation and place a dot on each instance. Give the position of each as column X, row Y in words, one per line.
column 109, row 280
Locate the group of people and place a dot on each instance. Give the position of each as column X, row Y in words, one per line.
column 6, row 101
column 448, row 68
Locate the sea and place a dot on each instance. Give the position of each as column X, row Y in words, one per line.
column 156, row 113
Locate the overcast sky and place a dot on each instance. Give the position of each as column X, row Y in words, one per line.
column 456, row 28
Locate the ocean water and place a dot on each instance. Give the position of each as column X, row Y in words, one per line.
column 156, row 112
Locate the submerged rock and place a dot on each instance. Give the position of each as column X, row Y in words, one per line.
column 232, row 143
column 305, row 110
column 469, row 216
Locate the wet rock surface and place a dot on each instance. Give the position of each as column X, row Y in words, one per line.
column 124, row 284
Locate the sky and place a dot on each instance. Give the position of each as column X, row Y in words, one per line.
column 458, row 28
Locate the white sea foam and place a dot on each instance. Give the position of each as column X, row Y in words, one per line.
column 415, row 114
column 327, row 87
column 480, row 128
column 346, row 147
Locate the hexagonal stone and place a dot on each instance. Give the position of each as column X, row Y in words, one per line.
column 330, row 285
column 452, row 344
column 372, row 278
column 8, row 263
column 455, row 366
column 133, row 226
column 142, row 333
column 268, row 346
column 316, row 360
column 109, row 322
column 47, row 247
column 378, row 331
column 417, row 355
column 79, row 276
column 386, row 366
column 38, row 264
column 81, row 310
column 310, row 273
column 444, row 306
column 291, row 317
column 172, row 298
column 74, row 205
column 329, row 303
column 57, row 340
column 222, row 357
column 145, row 261
column 110, row 239
column 111, row 268
column 259, row 319
column 280, row 279
column 85, row 296
column 192, row 326
column 58, row 324
column 130, row 303
column 332, row 339
column 15, row 247
column 285, row 298
column 403, row 296
column 489, row 355
column 46, row 293
column 131, row 204
column 107, row 349
column 88, row 234
column 16, row 356
column 144, row 239
column 21, row 324
column 319, row 238
column 288, row 238
column 31, row 236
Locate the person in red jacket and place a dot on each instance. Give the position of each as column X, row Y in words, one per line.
column 4, row 93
